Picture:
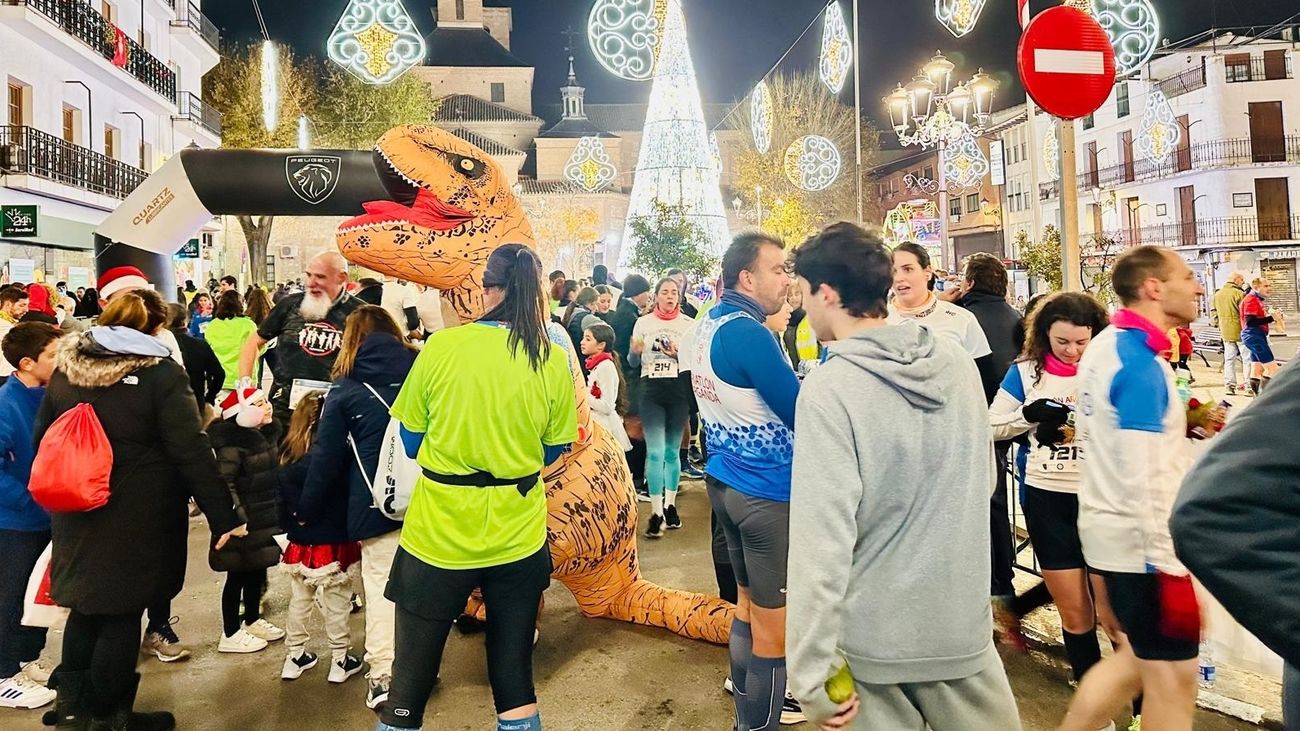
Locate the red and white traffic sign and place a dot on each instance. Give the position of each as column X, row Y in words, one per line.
column 1066, row 62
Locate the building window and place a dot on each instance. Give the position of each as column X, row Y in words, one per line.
column 1089, row 121
column 973, row 203
column 954, row 207
column 498, row 92
column 1121, row 100
column 144, row 156
column 69, row 125
column 17, row 104
column 929, row 172
column 110, row 141
column 107, row 10
column 1237, row 66
column 460, row 9
column 1024, row 150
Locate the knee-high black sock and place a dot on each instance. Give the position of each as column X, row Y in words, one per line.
column 1083, row 650
column 1036, row 597
column 1255, row 385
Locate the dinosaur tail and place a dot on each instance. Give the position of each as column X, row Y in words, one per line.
column 694, row 616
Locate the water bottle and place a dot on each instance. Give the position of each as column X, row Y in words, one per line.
column 1206, row 665
column 1183, row 383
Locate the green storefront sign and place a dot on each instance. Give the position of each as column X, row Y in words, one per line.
column 190, row 250
column 18, row 221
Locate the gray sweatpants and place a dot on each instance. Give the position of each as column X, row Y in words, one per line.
column 334, row 602
column 981, row 702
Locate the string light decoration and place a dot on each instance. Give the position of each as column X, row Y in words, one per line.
column 837, row 49
column 715, row 151
column 760, row 117
column 626, row 36
column 958, row 16
column 376, row 41
column 270, row 86
column 1052, row 154
column 964, row 164
column 1160, row 131
column 920, row 185
column 675, row 165
column 590, row 167
column 913, row 221
column 812, row 163
column 1133, row 29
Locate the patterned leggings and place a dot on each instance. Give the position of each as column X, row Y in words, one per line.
column 663, row 424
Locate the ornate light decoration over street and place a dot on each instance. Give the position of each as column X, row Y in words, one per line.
column 1160, row 130
column 1052, row 154
column 760, row 117
column 964, row 163
column 376, row 41
column 837, row 49
column 958, row 16
column 1133, row 28
column 626, row 35
column 812, row 163
column 590, row 167
column 270, row 86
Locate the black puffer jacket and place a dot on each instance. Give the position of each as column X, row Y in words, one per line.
column 246, row 459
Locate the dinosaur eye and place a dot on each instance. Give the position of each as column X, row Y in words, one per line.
column 469, row 167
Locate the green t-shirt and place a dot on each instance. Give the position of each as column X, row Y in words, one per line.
column 482, row 409
column 227, row 338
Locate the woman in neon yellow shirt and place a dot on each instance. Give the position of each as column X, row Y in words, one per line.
column 484, row 409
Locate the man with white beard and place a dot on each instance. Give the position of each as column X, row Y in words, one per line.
column 308, row 328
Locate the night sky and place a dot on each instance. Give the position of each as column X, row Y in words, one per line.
column 734, row 42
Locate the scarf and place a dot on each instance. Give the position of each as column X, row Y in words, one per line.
column 667, row 314
column 923, row 310
column 1157, row 340
column 597, row 359
column 1058, row 367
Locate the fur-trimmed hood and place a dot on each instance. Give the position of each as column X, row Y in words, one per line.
column 99, row 362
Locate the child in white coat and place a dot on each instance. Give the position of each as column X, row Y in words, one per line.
column 605, row 381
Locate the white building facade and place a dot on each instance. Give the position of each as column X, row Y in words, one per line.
column 98, row 95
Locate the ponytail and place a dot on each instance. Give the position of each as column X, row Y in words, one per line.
column 517, row 270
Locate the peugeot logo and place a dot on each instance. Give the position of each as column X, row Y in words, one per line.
column 313, row 177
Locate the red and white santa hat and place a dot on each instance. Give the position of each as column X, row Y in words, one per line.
column 119, row 279
column 238, row 405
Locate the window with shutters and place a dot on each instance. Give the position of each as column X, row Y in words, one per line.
column 973, row 203
column 17, row 104
column 110, row 141
column 69, row 124
column 1121, row 99
column 954, row 207
column 1237, row 67
column 1275, row 65
column 1089, row 121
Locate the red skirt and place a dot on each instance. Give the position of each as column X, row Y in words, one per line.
column 318, row 557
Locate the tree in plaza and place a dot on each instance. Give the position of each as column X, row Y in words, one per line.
column 352, row 115
column 1042, row 257
column 566, row 232
column 1098, row 256
column 669, row 238
column 801, row 106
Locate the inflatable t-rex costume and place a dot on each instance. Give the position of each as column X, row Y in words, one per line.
column 450, row 208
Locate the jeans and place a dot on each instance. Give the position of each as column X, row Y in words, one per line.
column 663, row 425
column 1002, row 550
column 19, row 644
column 1232, row 351
column 376, row 561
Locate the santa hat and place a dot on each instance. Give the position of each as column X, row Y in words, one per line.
column 120, row 279
column 238, row 405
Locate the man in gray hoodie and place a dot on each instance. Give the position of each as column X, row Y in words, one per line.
column 889, row 526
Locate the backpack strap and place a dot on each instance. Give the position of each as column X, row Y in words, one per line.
column 352, row 443
column 375, row 393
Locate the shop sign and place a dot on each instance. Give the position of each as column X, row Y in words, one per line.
column 18, row 221
column 190, row 250
column 22, row 270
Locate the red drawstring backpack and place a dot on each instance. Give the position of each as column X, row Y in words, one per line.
column 73, row 463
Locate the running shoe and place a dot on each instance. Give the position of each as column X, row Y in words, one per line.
column 21, row 692
column 378, row 692
column 1231, row 389
column 791, row 711
column 728, row 687
column 163, row 643
column 344, row 668
column 692, row 472
column 38, row 672
column 242, row 642
column 671, row 518
column 1136, row 725
column 1007, row 624
column 642, row 493
column 357, row 603
column 294, row 667
column 695, row 456
column 656, row 527
column 265, row 630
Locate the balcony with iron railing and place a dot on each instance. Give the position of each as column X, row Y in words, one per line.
column 1184, row 83
column 195, row 110
column 85, row 24
column 29, row 151
column 1259, row 69
column 189, row 16
column 1207, row 154
column 1211, row 232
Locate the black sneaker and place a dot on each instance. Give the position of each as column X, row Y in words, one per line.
column 691, row 472
column 671, row 518
column 695, row 456
column 642, row 493
column 656, row 527
column 791, row 711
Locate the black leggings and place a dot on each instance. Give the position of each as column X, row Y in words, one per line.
column 106, row 646
column 428, row 600
column 246, row 585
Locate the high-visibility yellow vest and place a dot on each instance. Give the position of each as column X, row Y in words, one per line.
column 805, row 342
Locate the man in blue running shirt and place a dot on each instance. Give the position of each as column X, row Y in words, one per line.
column 746, row 391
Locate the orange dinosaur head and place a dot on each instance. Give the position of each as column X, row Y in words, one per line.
column 450, row 207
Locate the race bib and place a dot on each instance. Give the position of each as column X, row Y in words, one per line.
column 663, row 368
column 1058, row 459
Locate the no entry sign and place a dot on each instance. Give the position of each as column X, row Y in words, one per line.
column 1066, row 62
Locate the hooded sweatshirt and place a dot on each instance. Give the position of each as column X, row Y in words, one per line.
column 18, row 407
column 893, row 467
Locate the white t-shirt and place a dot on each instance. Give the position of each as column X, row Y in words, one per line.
column 945, row 317
column 429, row 307
column 1054, row 468
column 653, row 332
column 396, row 298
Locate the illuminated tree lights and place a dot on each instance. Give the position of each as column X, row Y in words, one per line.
column 958, row 16
column 964, row 164
column 626, row 36
column 675, row 165
column 760, row 116
column 1133, row 29
column 376, row 41
column 590, row 167
column 270, row 86
column 812, row 163
column 1052, row 153
column 837, row 49
column 1160, row 130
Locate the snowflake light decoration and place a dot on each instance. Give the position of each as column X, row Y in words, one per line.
column 1160, row 130
column 626, row 36
column 964, row 164
column 958, row 16
column 376, row 41
column 812, row 163
column 760, row 117
column 1133, row 29
column 837, row 49
column 590, row 167
column 1052, row 153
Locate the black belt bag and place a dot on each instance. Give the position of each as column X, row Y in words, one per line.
column 484, row 479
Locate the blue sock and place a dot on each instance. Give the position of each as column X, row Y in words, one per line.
column 766, row 686
column 742, row 652
column 532, row 723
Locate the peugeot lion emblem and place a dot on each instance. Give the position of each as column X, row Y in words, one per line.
column 313, row 177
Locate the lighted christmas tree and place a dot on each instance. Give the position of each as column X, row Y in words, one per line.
column 676, row 165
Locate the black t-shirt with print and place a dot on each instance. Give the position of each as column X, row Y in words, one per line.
column 306, row 349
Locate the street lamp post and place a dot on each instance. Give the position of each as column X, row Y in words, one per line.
column 930, row 112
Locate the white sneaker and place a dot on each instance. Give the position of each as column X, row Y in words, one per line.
column 38, row 672
column 296, row 665
column 20, row 692
column 344, row 668
column 265, row 630
column 241, row 642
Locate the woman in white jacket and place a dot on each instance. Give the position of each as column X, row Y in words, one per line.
column 1037, row 400
column 605, row 381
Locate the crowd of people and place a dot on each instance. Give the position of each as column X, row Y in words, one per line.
column 853, row 415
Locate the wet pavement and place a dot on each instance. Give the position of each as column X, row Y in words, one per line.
column 591, row 674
